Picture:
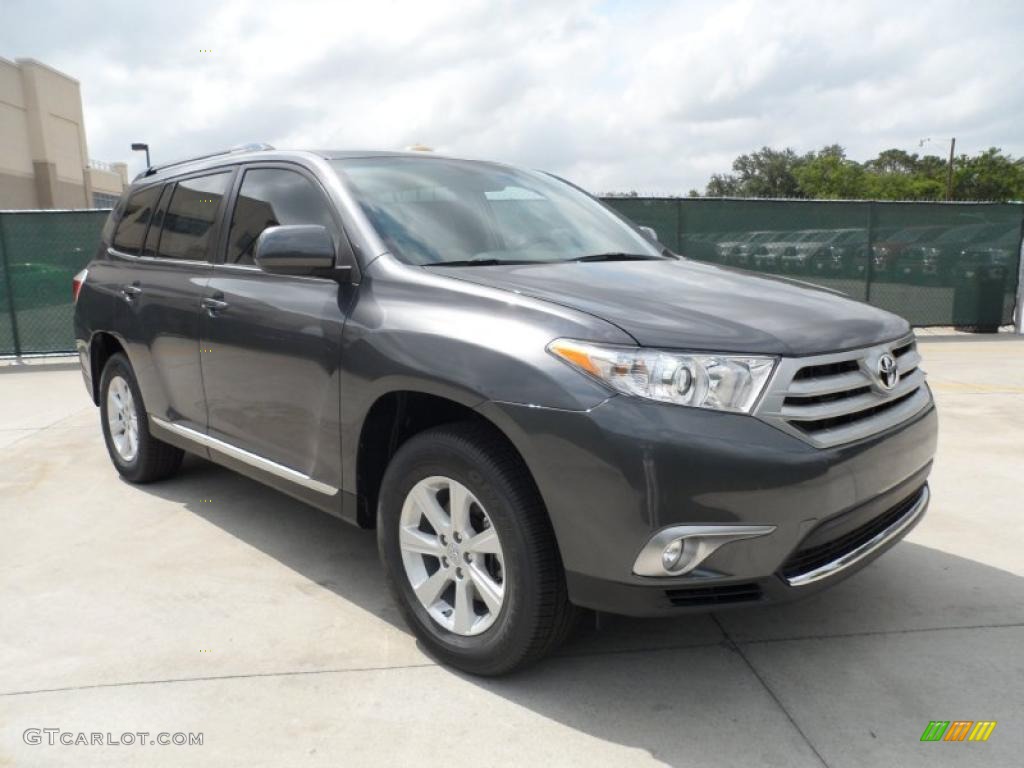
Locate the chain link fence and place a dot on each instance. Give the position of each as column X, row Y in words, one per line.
column 933, row 263
column 40, row 251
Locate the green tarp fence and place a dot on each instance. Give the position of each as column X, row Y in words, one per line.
column 934, row 263
column 40, row 251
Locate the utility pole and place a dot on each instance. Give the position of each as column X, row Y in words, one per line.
column 949, row 172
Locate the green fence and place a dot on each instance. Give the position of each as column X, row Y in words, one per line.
column 40, row 251
column 933, row 263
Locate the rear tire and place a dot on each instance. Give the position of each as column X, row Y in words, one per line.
column 511, row 578
column 138, row 456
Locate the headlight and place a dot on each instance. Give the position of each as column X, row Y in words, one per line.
column 719, row 382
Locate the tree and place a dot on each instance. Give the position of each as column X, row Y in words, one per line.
column 899, row 175
column 828, row 175
column 894, row 174
column 765, row 173
column 901, row 186
column 894, row 161
column 990, row 175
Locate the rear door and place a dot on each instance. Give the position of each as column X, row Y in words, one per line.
column 164, row 275
column 272, row 343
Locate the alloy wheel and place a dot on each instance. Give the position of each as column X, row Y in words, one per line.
column 452, row 555
column 122, row 419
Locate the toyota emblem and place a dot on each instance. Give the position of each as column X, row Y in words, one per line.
column 888, row 372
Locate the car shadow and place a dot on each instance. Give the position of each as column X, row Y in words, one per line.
column 672, row 688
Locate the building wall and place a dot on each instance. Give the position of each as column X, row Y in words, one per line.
column 44, row 157
column 17, row 176
column 110, row 181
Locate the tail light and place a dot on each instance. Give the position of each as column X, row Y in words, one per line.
column 76, row 285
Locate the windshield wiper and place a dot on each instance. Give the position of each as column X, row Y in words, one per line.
column 478, row 262
column 616, row 257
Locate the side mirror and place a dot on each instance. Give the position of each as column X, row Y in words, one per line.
column 649, row 233
column 295, row 249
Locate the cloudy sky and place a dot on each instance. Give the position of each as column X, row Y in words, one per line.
column 616, row 95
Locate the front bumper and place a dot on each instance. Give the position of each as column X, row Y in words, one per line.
column 614, row 476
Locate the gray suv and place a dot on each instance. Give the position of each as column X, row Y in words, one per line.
column 537, row 406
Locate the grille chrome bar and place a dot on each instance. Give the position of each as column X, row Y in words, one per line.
column 897, row 414
column 831, row 399
column 827, row 385
column 849, row 405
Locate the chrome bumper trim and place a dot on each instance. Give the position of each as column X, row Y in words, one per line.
column 856, row 555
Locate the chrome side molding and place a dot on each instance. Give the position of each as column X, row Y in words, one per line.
column 271, row 467
column 857, row 554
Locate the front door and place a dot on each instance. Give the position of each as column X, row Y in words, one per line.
column 271, row 343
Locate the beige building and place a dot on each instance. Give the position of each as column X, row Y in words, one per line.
column 44, row 159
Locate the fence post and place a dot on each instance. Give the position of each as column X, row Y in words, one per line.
column 679, row 226
column 869, row 271
column 9, row 288
column 1018, row 325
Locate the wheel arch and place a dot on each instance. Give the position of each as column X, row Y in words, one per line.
column 395, row 417
column 102, row 346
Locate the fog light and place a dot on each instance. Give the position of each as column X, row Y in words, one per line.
column 670, row 557
column 679, row 549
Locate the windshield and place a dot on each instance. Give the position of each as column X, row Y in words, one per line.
column 433, row 211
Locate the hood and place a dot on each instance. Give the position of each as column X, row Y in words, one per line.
column 689, row 305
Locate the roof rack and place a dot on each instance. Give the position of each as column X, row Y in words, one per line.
column 252, row 147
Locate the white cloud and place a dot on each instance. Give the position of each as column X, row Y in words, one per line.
column 616, row 95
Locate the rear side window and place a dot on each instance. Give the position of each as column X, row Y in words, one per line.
column 153, row 238
column 188, row 223
column 270, row 197
column 131, row 231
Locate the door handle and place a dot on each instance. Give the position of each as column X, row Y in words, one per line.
column 130, row 291
column 213, row 306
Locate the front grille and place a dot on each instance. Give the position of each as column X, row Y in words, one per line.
column 720, row 595
column 832, row 422
column 828, row 369
column 810, row 558
column 832, row 399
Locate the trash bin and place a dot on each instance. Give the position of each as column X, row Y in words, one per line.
column 978, row 295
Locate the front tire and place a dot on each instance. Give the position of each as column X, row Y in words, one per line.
column 469, row 552
column 138, row 456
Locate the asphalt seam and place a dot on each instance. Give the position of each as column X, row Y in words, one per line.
column 36, row 430
column 874, row 633
column 775, row 698
column 726, row 641
column 212, row 678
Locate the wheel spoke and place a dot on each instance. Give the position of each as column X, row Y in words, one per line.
column 431, row 588
column 459, row 502
column 465, row 593
column 464, row 615
column 490, row 592
column 426, row 502
column 485, row 542
column 412, row 540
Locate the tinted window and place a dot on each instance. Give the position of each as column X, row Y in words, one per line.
column 270, row 197
column 137, row 213
column 149, row 249
column 190, row 216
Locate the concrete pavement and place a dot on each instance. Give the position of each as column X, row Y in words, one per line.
column 211, row 604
